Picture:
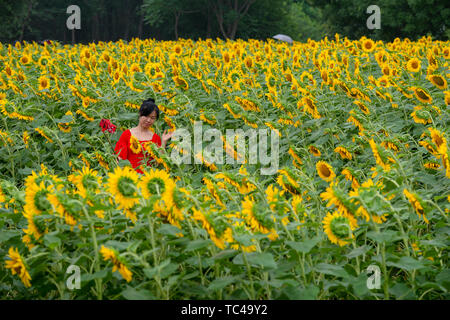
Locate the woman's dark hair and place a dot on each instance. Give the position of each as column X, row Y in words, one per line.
column 147, row 107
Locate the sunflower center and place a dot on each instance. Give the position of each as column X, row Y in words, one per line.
column 325, row 171
column 340, row 228
column 126, row 187
column 438, row 80
column 89, row 182
column 156, row 185
column 39, row 222
column 40, row 200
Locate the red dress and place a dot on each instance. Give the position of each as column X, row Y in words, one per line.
column 123, row 149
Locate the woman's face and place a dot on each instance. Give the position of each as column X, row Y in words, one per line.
column 147, row 121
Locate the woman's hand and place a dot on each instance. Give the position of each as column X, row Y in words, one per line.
column 166, row 136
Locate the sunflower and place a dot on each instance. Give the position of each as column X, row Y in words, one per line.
column 17, row 266
column 25, row 59
column 431, row 165
column 101, row 160
column 314, row 151
column 26, row 138
column 325, row 171
column 377, row 156
column 42, row 133
column 420, row 116
column 208, row 226
column 274, row 198
column 429, row 148
column 368, row 45
column 36, row 197
column 254, row 219
column 122, row 185
column 439, row 140
column 338, row 228
column 180, row 82
column 296, row 159
column 414, row 200
column 44, row 83
column 85, row 180
column 135, row 145
column 119, row 265
column 336, row 197
column 413, row 65
column 447, row 98
column 362, row 106
column 343, row 152
column 349, row 176
column 422, row 95
column 438, row 80
column 248, row 61
column 286, row 181
column 156, row 182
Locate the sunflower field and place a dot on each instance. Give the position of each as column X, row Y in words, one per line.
column 363, row 178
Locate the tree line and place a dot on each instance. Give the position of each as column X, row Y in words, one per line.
column 110, row 20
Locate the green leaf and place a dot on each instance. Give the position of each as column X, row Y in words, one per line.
column 97, row 275
column 221, row 283
column 331, row 269
column 51, row 241
column 256, row 259
column 169, row 230
column 225, row 254
column 387, row 236
column 443, row 278
column 132, row 294
column 264, row 260
column 407, row 263
column 197, row 244
column 299, row 293
column 402, row 291
column 5, row 235
column 304, row 246
column 357, row 252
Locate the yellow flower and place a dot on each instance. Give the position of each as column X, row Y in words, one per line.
column 368, row 45
column 135, row 145
column 26, row 138
column 85, row 180
column 111, row 254
column 44, row 83
column 344, row 153
column 335, row 197
column 422, row 95
column 349, row 176
column 438, row 80
column 338, row 228
column 249, row 212
column 314, row 151
column 42, row 133
column 377, row 156
column 413, row 65
column 325, row 171
column 156, row 182
column 17, row 266
column 416, row 204
column 439, row 140
column 122, row 186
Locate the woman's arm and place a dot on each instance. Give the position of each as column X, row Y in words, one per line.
column 165, row 137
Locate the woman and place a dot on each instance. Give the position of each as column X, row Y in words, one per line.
column 131, row 143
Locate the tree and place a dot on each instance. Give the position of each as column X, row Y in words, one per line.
column 229, row 13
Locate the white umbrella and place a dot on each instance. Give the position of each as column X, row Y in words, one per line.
column 283, row 37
